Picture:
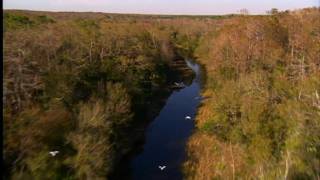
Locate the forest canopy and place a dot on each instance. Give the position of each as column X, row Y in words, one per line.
column 79, row 83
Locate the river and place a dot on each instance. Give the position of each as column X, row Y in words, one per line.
column 167, row 134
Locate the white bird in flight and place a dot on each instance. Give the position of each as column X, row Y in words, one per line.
column 188, row 117
column 53, row 153
column 162, row 167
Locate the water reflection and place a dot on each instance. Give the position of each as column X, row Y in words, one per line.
column 167, row 134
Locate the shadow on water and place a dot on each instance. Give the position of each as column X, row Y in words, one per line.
column 165, row 137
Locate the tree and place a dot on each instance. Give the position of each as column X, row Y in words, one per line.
column 96, row 136
column 244, row 11
column 273, row 11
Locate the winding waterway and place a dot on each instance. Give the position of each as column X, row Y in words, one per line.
column 167, row 134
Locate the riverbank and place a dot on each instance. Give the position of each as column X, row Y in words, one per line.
column 261, row 118
column 179, row 72
column 83, row 87
column 165, row 137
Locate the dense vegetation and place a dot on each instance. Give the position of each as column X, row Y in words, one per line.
column 261, row 115
column 78, row 85
column 79, row 82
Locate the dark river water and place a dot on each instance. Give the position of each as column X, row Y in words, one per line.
column 167, row 134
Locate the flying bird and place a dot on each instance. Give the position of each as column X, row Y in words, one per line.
column 162, row 167
column 53, row 153
column 187, row 117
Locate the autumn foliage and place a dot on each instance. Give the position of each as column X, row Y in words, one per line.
column 78, row 83
column 261, row 116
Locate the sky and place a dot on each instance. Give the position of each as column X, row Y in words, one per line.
column 192, row 7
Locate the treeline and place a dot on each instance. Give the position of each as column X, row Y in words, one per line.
column 76, row 85
column 261, row 115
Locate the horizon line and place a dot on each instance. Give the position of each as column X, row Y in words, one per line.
column 156, row 14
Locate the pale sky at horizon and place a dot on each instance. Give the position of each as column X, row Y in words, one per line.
column 193, row 7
